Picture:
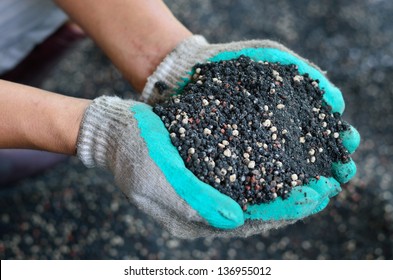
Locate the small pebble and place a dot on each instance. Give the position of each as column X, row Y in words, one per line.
column 321, row 116
column 298, row 78
column 267, row 123
column 182, row 130
column 232, row 178
column 227, row 153
column 207, row 131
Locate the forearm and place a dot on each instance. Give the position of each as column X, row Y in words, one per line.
column 37, row 119
column 135, row 34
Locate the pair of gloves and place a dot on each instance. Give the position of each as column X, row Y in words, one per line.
column 131, row 141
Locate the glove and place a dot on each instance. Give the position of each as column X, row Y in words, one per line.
column 131, row 141
column 176, row 70
column 127, row 138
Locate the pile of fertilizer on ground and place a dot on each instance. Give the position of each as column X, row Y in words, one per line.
column 253, row 130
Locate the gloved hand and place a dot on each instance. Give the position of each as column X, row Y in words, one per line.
column 129, row 139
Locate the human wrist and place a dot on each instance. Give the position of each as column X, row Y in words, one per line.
column 70, row 129
column 158, row 51
column 150, row 48
column 58, row 123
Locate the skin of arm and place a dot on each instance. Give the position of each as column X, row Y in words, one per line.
column 136, row 35
column 37, row 119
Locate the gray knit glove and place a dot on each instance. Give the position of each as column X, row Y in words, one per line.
column 127, row 138
column 176, row 71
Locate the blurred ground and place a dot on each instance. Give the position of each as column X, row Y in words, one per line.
column 70, row 212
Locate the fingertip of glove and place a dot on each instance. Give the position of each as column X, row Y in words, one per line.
column 335, row 187
column 230, row 218
column 321, row 206
column 225, row 214
column 351, row 139
column 343, row 172
column 220, row 211
column 334, row 98
column 325, row 186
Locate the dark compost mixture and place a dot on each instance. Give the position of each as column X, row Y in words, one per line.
column 253, row 130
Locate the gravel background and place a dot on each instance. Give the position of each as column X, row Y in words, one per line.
column 70, row 212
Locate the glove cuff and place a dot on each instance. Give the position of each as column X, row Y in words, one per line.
column 177, row 64
column 100, row 130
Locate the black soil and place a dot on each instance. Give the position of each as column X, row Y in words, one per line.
column 253, row 130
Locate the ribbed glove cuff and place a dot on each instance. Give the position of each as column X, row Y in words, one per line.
column 177, row 64
column 101, row 126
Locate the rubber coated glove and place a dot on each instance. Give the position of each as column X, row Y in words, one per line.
column 176, row 70
column 131, row 141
